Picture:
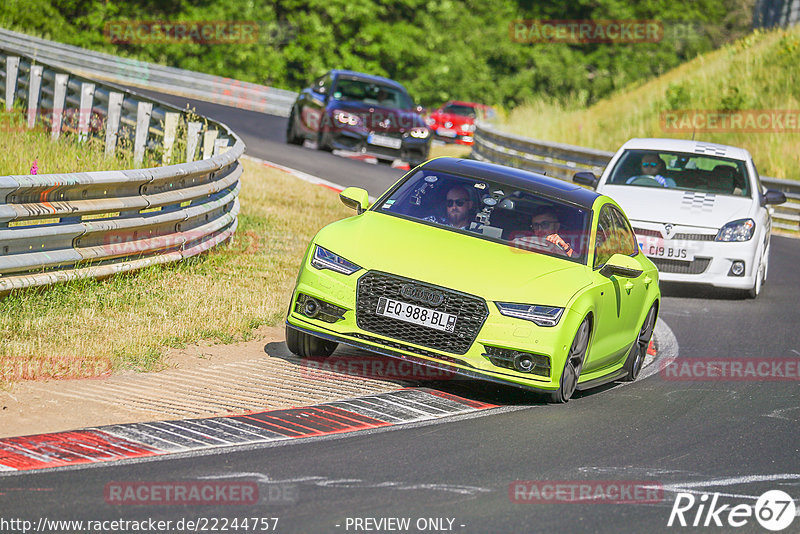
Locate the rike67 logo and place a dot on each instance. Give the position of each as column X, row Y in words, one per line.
column 774, row 510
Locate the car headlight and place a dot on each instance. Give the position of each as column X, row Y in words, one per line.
column 741, row 230
column 541, row 315
column 345, row 117
column 430, row 122
column 420, row 132
column 325, row 259
column 468, row 127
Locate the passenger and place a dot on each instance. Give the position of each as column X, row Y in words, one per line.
column 545, row 226
column 653, row 166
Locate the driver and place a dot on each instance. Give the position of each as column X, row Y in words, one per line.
column 652, row 166
column 459, row 207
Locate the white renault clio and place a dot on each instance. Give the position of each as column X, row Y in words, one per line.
column 698, row 209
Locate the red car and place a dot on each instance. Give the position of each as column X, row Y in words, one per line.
column 455, row 121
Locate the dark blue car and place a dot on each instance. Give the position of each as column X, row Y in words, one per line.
column 352, row 111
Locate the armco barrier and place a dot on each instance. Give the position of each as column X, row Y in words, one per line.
column 135, row 73
column 58, row 227
column 563, row 161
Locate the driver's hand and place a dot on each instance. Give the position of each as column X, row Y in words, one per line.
column 563, row 245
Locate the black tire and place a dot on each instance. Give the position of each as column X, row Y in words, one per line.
column 308, row 346
column 322, row 144
column 638, row 352
column 291, row 132
column 568, row 382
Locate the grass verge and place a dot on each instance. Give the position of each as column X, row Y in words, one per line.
column 89, row 327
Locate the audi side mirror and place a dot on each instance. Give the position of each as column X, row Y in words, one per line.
column 586, row 178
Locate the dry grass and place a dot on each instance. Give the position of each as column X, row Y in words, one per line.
column 757, row 72
column 127, row 322
column 451, row 150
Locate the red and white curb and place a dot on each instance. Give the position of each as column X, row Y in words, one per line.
column 138, row 440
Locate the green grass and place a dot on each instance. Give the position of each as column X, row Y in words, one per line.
column 128, row 321
column 758, row 72
column 21, row 147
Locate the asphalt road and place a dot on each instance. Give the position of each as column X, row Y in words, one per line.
column 738, row 438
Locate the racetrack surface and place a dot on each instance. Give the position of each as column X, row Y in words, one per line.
column 738, row 438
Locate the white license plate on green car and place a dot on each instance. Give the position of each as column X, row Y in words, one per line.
column 411, row 313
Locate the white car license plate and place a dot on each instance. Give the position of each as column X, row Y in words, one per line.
column 383, row 140
column 655, row 247
column 411, row 313
column 445, row 132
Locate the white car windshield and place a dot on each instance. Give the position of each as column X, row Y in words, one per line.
column 680, row 170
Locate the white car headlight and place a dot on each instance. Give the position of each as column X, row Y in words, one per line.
column 325, row 259
column 468, row 127
column 430, row 122
column 541, row 315
column 420, row 132
column 345, row 117
column 741, row 230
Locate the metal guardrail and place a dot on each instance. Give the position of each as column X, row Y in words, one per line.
column 97, row 65
column 563, row 161
column 59, row 227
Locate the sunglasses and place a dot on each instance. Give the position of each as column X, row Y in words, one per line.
column 544, row 225
column 457, row 201
column 649, row 164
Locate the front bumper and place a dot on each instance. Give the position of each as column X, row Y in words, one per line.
column 708, row 262
column 496, row 332
column 357, row 140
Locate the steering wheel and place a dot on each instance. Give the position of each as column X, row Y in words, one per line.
column 644, row 179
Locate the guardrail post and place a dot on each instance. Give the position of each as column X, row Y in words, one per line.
column 112, row 121
column 192, row 137
column 85, row 113
column 143, row 112
column 170, row 128
column 220, row 146
column 208, row 143
column 34, row 89
column 12, row 68
column 59, row 97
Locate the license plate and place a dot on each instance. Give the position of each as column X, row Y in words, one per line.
column 445, row 132
column 383, row 140
column 655, row 247
column 411, row 313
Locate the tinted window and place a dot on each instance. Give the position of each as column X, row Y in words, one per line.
column 495, row 211
column 458, row 109
column 371, row 93
column 614, row 236
column 679, row 170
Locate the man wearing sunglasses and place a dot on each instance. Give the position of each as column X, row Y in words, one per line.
column 545, row 226
column 653, row 166
column 458, row 207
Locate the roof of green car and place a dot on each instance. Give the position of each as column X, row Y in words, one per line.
column 537, row 183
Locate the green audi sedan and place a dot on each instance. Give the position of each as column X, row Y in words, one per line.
column 482, row 271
